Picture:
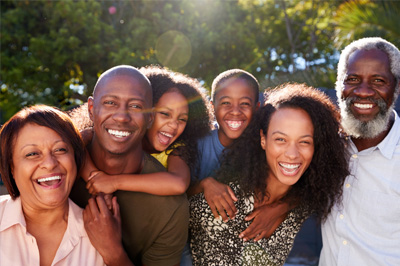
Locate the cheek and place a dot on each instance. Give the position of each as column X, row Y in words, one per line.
column 308, row 155
column 180, row 130
column 346, row 91
column 22, row 175
column 248, row 112
column 272, row 152
column 69, row 164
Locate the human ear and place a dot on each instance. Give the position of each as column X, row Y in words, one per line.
column 90, row 107
column 262, row 139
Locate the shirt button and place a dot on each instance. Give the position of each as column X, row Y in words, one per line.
column 354, row 156
column 341, row 216
column 344, row 242
column 347, row 185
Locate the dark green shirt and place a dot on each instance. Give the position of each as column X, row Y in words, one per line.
column 154, row 228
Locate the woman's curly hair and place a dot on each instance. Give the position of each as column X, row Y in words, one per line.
column 198, row 124
column 320, row 186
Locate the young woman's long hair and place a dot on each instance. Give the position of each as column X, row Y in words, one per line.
column 320, row 187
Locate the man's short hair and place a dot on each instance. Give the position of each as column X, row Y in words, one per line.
column 238, row 74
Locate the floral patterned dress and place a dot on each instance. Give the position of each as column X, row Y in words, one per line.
column 214, row 242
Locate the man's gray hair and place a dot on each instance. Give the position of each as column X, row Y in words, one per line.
column 367, row 44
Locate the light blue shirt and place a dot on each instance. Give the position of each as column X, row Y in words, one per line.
column 365, row 228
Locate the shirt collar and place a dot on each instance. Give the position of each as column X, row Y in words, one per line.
column 12, row 214
column 388, row 145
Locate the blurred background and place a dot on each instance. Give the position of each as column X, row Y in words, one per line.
column 52, row 52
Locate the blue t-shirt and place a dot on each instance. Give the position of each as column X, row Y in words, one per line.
column 209, row 156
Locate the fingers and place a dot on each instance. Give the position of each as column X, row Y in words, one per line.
column 213, row 208
column 93, row 174
column 261, row 236
column 229, row 205
column 252, row 215
column 87, row 215
column 250, row 232
column 90, row 187
column 221, row 211
column 102, row 204
column 90, row 214
column 232, row 194
column 115, row 208
column 223, row 207
column 108, row 199
column 255, row 230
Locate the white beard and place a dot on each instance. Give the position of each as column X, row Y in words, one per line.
column 366, row 130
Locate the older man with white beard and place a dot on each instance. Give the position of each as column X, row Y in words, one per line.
column 365, row 228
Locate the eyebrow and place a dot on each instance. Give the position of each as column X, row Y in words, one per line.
column 117, row 97
column 374, row 75
column 245, row 97
column 280, row 132
column 169, row 109
column 35, row 145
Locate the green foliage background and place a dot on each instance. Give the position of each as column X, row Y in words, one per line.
column 53, row 51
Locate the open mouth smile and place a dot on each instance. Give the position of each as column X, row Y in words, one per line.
column 289, row 169
column 49, row 182
column 165, row 137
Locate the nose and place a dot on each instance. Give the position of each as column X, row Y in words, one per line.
column 292, row 151
column 364, row 90
column 173, row 124
column 235, row 109
column 49, row 161
column 122, row 115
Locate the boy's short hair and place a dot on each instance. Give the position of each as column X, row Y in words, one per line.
column 237, row 74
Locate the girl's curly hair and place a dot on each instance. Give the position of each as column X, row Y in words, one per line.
column 320, row 187
column 198, row 124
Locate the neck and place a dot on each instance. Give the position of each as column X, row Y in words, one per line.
column 365, row 143
column 223, row 139
column 276, row 190
column 114, row 164
column 45, row 217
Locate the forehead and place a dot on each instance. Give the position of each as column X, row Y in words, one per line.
column 124, row 87
column 235, row 88
column 173, row 99
column 374, row 59
column 290, row 119
column 34, row 133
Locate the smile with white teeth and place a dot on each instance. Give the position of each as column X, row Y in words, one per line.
column 166, row 134
column 49, row 179
column 234, row 124
column 363, row 105
column 119, row 134
column 290, row 168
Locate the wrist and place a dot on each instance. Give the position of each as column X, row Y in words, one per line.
column 118, row 257
column 115, row 182
column 204, row 183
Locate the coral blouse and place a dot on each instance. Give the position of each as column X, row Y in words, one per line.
column 19, row 247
